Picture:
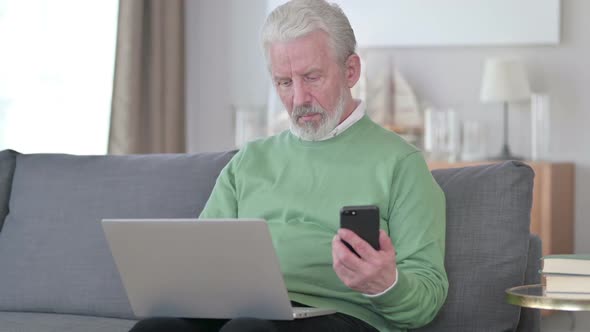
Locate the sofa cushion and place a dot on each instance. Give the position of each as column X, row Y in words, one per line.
column 39, row 322
column 53, row 252
column 487, row 242
column 7, row 163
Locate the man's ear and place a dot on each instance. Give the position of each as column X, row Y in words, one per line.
column 352, row 69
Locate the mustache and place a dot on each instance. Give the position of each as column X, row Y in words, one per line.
column 300, row 111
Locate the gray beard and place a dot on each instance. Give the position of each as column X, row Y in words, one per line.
column 315, row 131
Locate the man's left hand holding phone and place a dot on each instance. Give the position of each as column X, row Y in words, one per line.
column 365, row 269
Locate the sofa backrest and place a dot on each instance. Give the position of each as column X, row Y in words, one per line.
column 53, row 252
column 487, row 244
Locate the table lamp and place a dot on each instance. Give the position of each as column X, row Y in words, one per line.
column 505, row 81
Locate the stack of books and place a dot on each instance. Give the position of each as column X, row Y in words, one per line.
column 567, row 275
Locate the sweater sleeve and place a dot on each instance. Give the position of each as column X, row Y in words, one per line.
column 417, row 229
column 223, row 201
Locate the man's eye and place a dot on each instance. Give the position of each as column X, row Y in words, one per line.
column 284, row 83
column 312, row 78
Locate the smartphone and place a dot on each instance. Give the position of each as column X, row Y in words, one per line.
column 364, row 221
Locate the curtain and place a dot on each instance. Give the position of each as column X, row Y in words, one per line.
column 148, row 111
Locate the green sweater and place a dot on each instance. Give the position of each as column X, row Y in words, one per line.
column 299, row 187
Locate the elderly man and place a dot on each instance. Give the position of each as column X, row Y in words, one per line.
column 332, row 156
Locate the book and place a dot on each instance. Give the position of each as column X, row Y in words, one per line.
column 566, row 283
column 567, row 264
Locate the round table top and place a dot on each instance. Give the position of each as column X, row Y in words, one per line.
column 534, row 296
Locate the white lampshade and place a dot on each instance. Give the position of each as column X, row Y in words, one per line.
column 504, row 80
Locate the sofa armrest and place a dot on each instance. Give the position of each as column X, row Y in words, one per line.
column 530, row 319
column 7, row 165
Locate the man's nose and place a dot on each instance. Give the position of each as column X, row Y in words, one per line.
column 301, row 95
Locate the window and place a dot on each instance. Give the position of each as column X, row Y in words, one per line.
column 56, row 73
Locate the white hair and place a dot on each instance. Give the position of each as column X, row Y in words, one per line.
column 298, row 18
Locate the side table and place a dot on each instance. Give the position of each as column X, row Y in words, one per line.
column 534, row 296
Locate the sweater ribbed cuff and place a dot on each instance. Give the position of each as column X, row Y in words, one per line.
column 387, row 289
column 404, row 288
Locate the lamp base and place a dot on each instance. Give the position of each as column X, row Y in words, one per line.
column 506, row 155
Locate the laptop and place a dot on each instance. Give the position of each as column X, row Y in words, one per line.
column 201, row 268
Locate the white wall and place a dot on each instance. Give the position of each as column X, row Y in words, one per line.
column 225, row 67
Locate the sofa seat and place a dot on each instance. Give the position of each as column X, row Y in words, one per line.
column 33, row 322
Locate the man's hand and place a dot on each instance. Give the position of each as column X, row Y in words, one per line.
column 373, row 272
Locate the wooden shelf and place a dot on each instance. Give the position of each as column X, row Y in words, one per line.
column 552, row 213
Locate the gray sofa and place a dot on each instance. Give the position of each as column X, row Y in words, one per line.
column 57, row 274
